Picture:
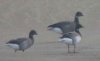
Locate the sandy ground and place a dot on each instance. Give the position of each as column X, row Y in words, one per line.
column 18, row 17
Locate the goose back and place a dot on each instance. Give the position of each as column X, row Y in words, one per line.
column 23, row 43
column 65, row 26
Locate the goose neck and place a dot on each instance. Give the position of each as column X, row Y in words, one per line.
column 76, row 20
column 31, row 36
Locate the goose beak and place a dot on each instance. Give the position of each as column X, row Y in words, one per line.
column 49, row 28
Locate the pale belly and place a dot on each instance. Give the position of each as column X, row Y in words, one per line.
column 70, row 41
column 14, row 46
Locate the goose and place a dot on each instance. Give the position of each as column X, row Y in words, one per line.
column 67, row 26
column 71, row 38
column 22, row 44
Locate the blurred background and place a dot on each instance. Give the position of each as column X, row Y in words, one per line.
column 18, row 17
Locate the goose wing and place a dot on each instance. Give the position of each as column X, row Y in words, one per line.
column 16, row 41
column 66, row 26
column 60, row 24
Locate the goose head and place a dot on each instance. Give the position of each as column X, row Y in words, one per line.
column 33, row 32
column 79, row 14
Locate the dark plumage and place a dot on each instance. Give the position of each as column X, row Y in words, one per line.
column 22, row 43
column 67, row 26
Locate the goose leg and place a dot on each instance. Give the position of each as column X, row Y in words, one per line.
column 68, row 49
column 74, row 48
column 23, row 50
column 15, row 50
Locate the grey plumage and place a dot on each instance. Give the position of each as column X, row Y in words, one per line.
column 68, row 26
column 22, row 43
column 71, row 38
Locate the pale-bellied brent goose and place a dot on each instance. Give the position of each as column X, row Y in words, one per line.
column 22, row 43
column 67, row 26
column 71, row 38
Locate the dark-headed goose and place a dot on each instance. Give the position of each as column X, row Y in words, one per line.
column 71, row 38
column 67, row 26
column 22, row 43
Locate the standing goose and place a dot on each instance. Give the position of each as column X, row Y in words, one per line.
column 67, row 26
column 71, row 38
column 22, row 43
